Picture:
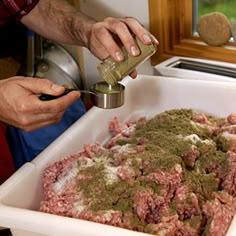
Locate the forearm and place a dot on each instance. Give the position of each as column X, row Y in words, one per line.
column 59, row 21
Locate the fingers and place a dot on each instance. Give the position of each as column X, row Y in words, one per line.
column 38, row 86
column 30, row 121
column 104, row 48
column 144, row 35
column 21, row 107
column 133, row 74
column 37, row 114
column 29, row 101
column 124, row 29
column 41, row 121
column 53, row 106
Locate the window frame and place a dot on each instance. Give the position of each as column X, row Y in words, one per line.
column 171, row 23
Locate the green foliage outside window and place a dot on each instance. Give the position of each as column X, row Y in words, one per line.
column 227, row 7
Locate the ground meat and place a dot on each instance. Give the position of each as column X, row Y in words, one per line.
column 168, row 182
column 149, row 206
column 172, row 175
column 191, row 156
column 172, row 226
column 186, row 202
column 232, row 119
column 121, row 133
column 115, row 127
column 200, row 118
column 229, row 182
column 219, row 212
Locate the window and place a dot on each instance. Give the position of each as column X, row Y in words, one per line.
column 227, row 7
column 173, row 22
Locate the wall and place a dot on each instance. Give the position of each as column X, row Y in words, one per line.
column 99, row 9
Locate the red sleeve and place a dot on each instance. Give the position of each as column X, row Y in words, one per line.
column 7, row 167
column 15, row 9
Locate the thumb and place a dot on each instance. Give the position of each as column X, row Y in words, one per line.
column 38, row 86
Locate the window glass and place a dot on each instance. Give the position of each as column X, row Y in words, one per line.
column 202, row 7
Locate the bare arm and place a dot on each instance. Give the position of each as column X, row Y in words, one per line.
column 59, row 21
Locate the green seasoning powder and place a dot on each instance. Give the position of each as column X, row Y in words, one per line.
column 105, row 88
column 163, row 143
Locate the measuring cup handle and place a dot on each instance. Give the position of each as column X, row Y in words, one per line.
column 48, row 97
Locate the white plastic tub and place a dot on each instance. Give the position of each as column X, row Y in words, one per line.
column 147, row 95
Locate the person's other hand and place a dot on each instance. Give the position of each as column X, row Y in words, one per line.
column 21, row 107
column 106, row 38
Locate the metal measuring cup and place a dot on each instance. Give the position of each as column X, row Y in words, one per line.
column 102, row 95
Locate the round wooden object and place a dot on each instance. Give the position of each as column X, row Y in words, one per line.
column 214, row 29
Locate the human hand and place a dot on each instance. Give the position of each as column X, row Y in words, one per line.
column 62, row 23
column 21, row 107
column 106, row 38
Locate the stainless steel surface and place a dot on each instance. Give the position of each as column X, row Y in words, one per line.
column 203, row 67
column 59, row 66
column 107, row 97
column 56, row 54
column 51, row 61
column 54, row 73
